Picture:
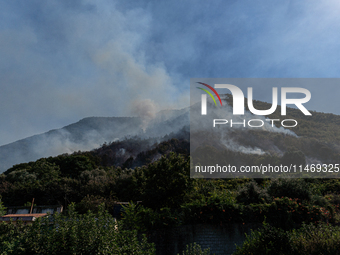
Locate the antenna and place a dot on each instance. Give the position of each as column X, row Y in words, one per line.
column 32, row 206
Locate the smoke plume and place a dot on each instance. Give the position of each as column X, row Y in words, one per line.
column 145, row 109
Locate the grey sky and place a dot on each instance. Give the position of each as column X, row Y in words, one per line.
column 61, row 61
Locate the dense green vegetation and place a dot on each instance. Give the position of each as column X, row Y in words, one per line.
column 299, row 215
column 72, row 234
column 170, row 198
column 311, row 239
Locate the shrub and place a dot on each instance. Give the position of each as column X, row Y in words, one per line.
column 143, row 219
column 293, row 188
column 75, row 234
column 90, row 202
column 288, row 213
column 195, row 249
column 252, row 193
column 217, row 208
column 319, row 239
column 268, row 240
column 310, row 239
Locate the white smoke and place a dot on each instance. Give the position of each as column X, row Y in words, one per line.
column 145, row 109
column 62, row 142
column 230, row 144
column 121, row 152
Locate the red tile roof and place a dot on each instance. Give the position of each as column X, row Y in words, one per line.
column 37, row 215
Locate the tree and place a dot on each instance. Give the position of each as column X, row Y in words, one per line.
column 2, row 208
column 293, row 157
column 166, row 182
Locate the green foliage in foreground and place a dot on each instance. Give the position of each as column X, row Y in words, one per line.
column 170, row 198
column 250, row 203
column 72, row 234
column 195, row 249
column 310, row 239
column 2, row 208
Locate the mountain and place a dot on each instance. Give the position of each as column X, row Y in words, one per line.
column 88, row 134
column 133, row 141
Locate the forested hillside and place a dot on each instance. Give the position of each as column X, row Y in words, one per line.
column 155, row 171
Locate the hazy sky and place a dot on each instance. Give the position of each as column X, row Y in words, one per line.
column 64, row 60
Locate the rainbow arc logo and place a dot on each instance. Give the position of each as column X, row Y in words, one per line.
column 209, row 93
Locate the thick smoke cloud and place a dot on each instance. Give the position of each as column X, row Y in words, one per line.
column 61, row 61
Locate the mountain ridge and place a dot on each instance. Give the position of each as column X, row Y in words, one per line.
column 86, row 134
column 321, row 132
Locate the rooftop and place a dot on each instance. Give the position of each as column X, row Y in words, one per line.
column 37, row 215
